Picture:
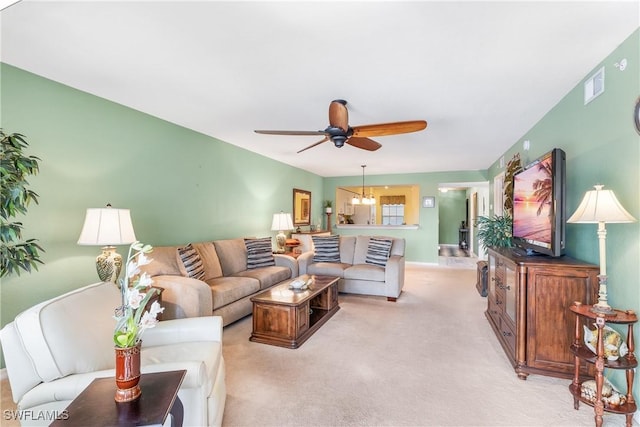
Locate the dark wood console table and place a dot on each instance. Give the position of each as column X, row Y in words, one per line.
column 96, row 405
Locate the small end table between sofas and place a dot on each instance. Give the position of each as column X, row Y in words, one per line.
column 96, row 405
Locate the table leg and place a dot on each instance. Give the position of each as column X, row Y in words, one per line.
column 177, row 413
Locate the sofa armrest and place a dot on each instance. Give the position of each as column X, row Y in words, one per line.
column 304, row 261
column 287, row 261
column 394, row 275
column 175, row 331
column 184, row 297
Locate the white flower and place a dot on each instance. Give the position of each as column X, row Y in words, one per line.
column 132, row 268
column 148, row 319
column 136, row 292
column 134, row 298
column 156, row 309
column 145, row 281
column 143, row 259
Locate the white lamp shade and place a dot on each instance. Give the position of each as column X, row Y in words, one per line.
column 107, row 227
column 281, row 221
column 600, row 206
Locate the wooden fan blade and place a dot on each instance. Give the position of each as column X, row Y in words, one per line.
column 290, row 132
column 325, row 139
column 364, row 143
column 394, row 128
column 338, row 114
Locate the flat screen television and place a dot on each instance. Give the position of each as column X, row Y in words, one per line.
column 539, row 208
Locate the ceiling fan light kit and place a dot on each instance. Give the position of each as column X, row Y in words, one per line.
column 339, row 132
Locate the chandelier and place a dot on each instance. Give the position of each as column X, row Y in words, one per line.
column 363, row 199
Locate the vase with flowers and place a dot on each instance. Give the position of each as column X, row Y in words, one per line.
column 133, row 318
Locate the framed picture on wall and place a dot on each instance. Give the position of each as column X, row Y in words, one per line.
column 428, row 202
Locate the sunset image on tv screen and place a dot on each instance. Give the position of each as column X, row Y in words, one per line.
column 532, row 201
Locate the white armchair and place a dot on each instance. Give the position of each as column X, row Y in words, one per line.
column 55, row 349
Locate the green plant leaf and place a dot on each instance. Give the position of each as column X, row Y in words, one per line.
column 15, row 167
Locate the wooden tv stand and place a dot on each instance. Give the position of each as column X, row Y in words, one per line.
column 527, row 307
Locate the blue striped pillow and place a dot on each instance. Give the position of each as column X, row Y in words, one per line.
column 326, row 248
column 192, row 261
column 259, row 253
column 378, row 251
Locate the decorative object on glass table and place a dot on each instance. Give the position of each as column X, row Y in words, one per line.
column 610, row 396
column 614, row 345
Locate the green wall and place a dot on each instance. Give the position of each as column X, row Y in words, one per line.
column 181, row 186
column 602, row 147
column 452, row 211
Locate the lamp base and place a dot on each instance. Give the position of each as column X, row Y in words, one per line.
column 603, row 309
column 602, row 306
column 109, row 264
column 281, row 239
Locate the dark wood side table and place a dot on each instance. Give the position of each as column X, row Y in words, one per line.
column 96, row 405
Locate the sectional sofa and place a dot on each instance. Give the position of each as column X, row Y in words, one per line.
column 217, row 277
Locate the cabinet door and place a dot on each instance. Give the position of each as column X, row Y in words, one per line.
column 492, row 299
column 510, row 287
column 550, row 325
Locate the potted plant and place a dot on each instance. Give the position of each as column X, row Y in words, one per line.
column 494, row 231
column 328, row 206
column 16, row 254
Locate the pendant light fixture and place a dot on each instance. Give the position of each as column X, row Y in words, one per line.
column 363, row 199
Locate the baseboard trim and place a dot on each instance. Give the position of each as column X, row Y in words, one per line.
column 433, row 264
column 3, row 374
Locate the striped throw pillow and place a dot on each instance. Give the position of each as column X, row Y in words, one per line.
column 259, row 253
column 378, row 251
column 326, row 248
column 192, row 261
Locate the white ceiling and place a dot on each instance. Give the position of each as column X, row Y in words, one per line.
column 481, row 73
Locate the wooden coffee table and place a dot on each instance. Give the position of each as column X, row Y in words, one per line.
column 287, row 317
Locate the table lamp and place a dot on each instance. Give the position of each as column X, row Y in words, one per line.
column 281, row 221
column 107, row 227
column 600, row 207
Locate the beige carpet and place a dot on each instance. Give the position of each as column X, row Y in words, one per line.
column 430, row 359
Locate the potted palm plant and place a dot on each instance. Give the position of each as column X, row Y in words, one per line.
column 494, row 231
column 328, row 206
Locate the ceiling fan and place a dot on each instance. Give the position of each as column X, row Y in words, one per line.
column 339, row 132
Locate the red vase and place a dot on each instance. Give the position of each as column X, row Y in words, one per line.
column 128, row 373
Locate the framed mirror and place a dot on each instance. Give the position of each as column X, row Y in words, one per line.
column 301, row 207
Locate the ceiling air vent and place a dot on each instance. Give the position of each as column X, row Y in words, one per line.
column 594, row 86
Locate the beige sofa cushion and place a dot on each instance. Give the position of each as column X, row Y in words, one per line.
column 225, row 290
column 365, row 272
column 360, row 253
column 210, row 261
column 327, row 268
column 165, row 261
column 232, row 254
column 347, row 247
column 267, row 276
